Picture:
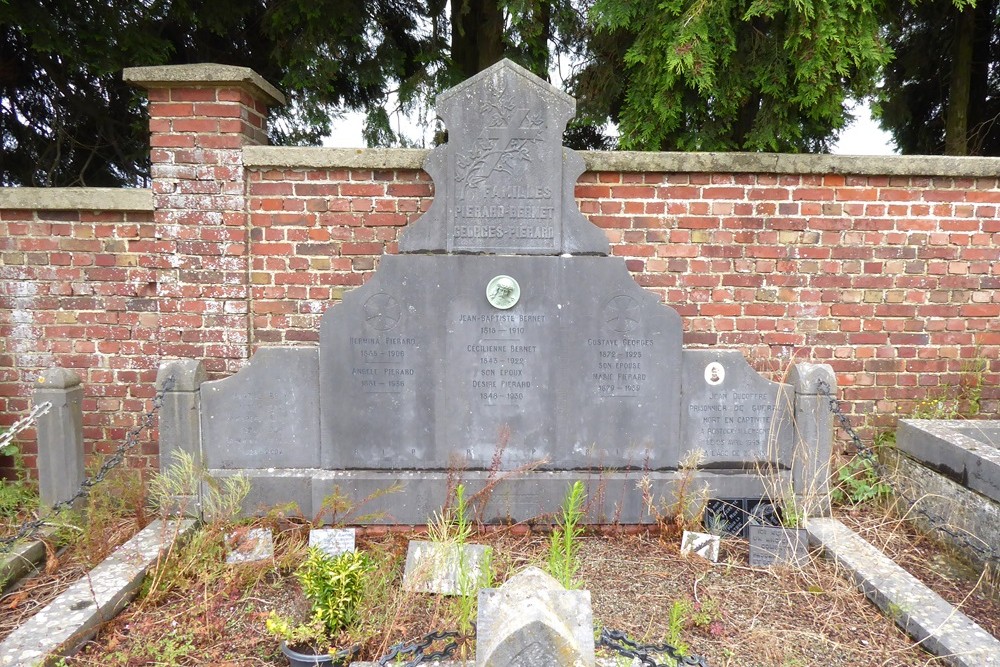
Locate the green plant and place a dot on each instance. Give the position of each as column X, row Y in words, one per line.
column 688, row 505
column 677, row 619
column 334, row 586
column 858, row 482
column 792, row 513
column 221, row 500
column 452, row 524
column 564, row 544
column 18, row 495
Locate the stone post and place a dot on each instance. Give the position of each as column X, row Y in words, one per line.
column 813, row 435
column 180, row 416
column 60, row 435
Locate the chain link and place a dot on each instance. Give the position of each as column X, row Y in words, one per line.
column 24, row 422
column 417, row 649
column 116, row 459
column 621, row 644
column 939, row 523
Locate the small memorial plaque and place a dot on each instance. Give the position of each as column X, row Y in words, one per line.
column 770, row 545
column 249, row 545
column 700, row 544
column 332, row 541
column 433, row 567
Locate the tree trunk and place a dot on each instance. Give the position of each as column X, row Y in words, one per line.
column 476, row 35
column 956, row 133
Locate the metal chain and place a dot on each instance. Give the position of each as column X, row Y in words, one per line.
column 131, row 440
column 939, row 523
column 416, row 648
column 621, row 644
column 24, row 422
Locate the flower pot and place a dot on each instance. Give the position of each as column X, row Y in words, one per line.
column 296, row 659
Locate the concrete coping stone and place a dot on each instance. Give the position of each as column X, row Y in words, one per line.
column 58, row 378
column 922, row 613
column 289, row 157
column 77, row 199
column 204, row 75
column 94, row 599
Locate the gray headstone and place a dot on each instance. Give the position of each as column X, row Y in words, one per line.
column 265, row 416
column 249, row 545
column 732, row 413
column 584, row 370
column 504, row 183
column 439, row 567
column 532, row 620
column 332, row 541
column 770, row 545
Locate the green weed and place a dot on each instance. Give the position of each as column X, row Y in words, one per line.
column 564, row 544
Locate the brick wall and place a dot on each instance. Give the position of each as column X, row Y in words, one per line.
column 886, row 268
column 78, row 289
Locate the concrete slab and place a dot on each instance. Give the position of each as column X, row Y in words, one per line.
column 922, row 613
column 94, row 599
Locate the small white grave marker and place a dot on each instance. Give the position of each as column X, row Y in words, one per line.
column 247, row 545
column 700, row 544
column 332, row 541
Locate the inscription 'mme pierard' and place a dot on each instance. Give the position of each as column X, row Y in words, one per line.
column 504, row 182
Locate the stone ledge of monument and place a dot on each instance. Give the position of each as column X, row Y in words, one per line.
column 923, row 614
column 204, row 75
column 289, row 157
column 77, row 199
column 76, row 614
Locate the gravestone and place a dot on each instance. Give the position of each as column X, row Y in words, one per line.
column 502, row 346
column 445, row 568
column 770, row 545
column 532, row 620
column 332, row 541
column 247, row 545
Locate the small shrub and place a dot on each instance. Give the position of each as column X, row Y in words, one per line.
column 334, row 586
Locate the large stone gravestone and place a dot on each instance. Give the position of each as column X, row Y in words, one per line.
column 503, row 340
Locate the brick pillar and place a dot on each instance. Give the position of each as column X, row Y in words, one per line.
column 200, row 118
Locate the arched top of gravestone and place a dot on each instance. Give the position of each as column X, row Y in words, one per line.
column 504, row 182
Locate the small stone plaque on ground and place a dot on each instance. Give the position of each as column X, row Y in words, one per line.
column 700, row 544
column 433, row 567
column 246, row 545
column 770, row 545
column 332, row 541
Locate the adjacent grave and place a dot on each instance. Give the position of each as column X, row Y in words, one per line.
column 502, row 342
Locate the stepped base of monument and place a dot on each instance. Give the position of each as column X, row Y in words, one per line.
column 412, row 497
